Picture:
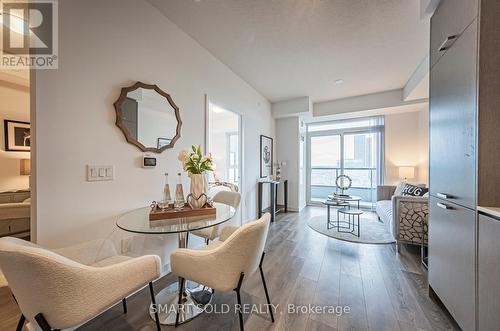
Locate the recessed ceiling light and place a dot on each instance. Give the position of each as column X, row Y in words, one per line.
column 339, row 81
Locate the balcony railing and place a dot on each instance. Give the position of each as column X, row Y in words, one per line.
column 364, row 182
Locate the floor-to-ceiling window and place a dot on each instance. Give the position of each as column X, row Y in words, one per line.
column 350, row 147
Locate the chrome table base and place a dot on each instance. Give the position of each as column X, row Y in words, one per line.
column 166, row 301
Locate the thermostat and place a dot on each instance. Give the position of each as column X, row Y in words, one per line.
column 148, row 161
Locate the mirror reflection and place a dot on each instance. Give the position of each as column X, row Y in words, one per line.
column 148, row 117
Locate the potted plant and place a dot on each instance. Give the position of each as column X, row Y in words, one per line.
column 195, row 164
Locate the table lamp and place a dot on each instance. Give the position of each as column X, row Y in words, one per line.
column 406, row 172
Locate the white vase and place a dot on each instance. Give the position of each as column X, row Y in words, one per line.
column 197, row 197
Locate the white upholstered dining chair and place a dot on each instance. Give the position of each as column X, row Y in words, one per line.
column 223, row 264
column 227, row 197
column 64, row 288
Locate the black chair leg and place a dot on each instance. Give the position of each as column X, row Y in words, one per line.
column 155, row 307
column 124, row 303
column 20, row 324
column 238, row 296
column 179, row 302
column 207, row 241
column 42, row 322
column 265, row 287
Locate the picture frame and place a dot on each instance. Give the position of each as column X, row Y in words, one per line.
column 17, row 136
column 163, row 142
column 266, row 156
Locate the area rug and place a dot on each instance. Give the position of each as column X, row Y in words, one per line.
column 372, row 231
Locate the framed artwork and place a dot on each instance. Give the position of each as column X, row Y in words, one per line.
column 163, row 142
column 266, row 156
column 17, row 136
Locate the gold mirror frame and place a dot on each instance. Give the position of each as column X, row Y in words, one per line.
column 118, row 109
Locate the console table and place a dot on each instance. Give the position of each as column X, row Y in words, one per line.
column 273, row 189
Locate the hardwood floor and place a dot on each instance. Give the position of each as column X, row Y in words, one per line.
column 384, row 291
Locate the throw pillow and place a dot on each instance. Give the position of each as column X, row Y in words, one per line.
column 413, row 190
column 399, row 189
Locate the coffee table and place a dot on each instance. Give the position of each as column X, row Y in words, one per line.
column 351, row 198
column 352, row 214
column 332, row 203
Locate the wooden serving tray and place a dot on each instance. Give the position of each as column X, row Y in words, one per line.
column 158, row 214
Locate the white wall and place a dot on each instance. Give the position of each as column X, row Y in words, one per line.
column 103, row 46
column 289, row 150
column 423, row 138
column 406, row 144
column 14, row 105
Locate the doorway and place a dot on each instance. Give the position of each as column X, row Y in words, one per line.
column 15, row 154
column 224, row 142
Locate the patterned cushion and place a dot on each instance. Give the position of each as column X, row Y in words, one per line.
column 413, row 190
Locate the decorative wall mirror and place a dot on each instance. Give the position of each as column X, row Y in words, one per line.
column 148, row 117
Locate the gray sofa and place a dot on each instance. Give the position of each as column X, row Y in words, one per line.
column 404, row 216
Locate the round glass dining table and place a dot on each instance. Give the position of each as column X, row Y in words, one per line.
column 195, row 297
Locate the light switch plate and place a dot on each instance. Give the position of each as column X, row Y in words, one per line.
column 100, row 173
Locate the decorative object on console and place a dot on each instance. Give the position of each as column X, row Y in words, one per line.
column 343, row 182
column 279, row 165
column 406, row 173
column 17, row 136
column 278, row 172
column 414, row 191
column 195, row 164
column 148, row 117
column 266, row 156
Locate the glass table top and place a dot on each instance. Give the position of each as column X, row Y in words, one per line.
column 138, row 221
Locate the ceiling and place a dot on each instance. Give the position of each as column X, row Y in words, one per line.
column 293, row 48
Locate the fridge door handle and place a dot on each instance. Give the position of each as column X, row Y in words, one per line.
column 443, row 195
column 443, row 206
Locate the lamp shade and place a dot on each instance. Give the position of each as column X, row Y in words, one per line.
column 406, row 172
column 25, row 167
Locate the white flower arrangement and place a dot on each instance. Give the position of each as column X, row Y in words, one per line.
column 193, row 162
